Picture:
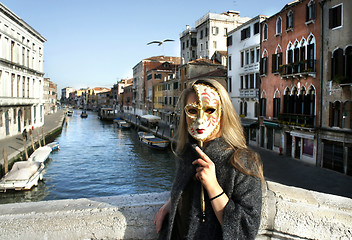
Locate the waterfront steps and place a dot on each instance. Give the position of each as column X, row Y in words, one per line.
column 288, row 213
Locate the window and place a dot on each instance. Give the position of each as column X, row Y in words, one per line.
column 276, row 62
column 157, row 76
column 187, row 43
column 335, row 110
column 206, row 32
column 242, row 83
column 256, row 28
column 265, row 32
column 150, row 76
column 215, row 30
column 335, row 16
column 183, row 45
column 194, row 42
column 214, row 44
column 252, row 56
column 230, row 63
column 310, row 11
column 262, row 103
column 337, row 64
column 229, row 85
column 242, row 59
column 225, row 32
column 201, row 34
column 229, row 40
column 278, row 26
column 251, row 81
column 264, row 66
column 245, row 33
column 276, row 107
column 289, row 20
column 308, row 147
column 258, row 55
column 247, row 57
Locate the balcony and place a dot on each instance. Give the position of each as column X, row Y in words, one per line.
column 249, row 93
column 298, row 69
column 299, row 120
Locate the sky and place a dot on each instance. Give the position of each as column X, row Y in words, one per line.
column 97, row 43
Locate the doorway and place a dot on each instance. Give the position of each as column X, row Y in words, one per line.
column 288, row 145
column 298, row 148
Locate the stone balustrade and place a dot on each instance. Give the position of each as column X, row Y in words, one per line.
column 288, row 213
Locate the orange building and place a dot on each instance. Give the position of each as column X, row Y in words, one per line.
column 290, row 80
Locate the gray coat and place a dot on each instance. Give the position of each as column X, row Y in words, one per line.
column 242, row 214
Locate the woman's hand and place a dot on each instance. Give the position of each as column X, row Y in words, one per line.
column 206, row 174
column 205, row 171
column 160, row 215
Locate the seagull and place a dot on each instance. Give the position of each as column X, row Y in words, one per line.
column 160, row 42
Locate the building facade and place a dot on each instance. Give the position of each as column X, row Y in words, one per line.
column 50, row 96
column 209, row 35
column 139, row 80
column 290, row 80
column 335, row 142
column 243, row 74
column 21, row 75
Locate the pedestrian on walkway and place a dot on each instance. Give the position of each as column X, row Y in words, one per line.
column 24, row 133
column 225, row 172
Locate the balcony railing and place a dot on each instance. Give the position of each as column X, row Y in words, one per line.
column 299, row 120
column 298, row 68
column 249, row 93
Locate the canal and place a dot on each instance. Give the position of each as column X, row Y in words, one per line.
column 98, row 159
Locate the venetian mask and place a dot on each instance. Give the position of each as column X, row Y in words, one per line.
column 205, row 113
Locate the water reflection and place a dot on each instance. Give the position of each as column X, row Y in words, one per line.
column 97, row 159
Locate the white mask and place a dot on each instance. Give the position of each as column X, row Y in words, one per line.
column 205, row 114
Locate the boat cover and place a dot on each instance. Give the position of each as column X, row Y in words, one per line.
column 22, row 171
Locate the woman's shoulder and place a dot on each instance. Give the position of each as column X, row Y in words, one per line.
column 248, row 158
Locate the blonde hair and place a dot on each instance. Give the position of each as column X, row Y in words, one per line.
column 232, row 133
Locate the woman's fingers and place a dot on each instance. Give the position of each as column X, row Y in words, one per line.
column 202, row 154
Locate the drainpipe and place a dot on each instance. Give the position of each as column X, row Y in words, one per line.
column 320, row 154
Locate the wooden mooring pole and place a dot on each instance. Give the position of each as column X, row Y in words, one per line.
column 43, row 136
column 30, row 132
column 6, row 161
column 25, row 148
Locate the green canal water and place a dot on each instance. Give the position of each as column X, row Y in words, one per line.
column 98, row 159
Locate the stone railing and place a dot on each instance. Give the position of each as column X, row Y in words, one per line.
column 288, row 213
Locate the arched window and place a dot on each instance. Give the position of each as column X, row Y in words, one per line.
column 265, row 32
column 278, row 25
column 348, row 60
column 335, row 110
column 286, row 100
column 262, row 102
column 296, row 57
column 264, row 63
column 289, row 57
column 310, row 11
column 276, row 104
column 300, row 103
column 302, row 56
column 277, row 60
column 311, row 53
column 293, row 101
column 347, row 115
column 289, row 20
column 337, row 65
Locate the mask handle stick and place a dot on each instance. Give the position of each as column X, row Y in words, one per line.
column 202, row 200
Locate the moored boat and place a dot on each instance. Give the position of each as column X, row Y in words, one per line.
column 122, row 123
column 151, row 141
column 40, row 155
column 23, row 176
column 53, row 145
column 84, row 114
column 70, row 112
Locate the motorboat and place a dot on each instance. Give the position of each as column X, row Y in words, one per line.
column 70, row 112
column 122, row 123
column 151, row 141
column 23, row 176
column 53, row 145
column 84, row 114
column 107, row 114
column 40, row 155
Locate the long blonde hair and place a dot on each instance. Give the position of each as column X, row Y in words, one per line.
column 232, row 133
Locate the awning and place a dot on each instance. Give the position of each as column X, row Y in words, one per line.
column 271, row 124
column 151, row 118
column 248, row 122
column 302, row 134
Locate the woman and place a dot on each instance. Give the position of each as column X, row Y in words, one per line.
column 225, row 173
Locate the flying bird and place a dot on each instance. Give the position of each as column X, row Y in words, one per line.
column 160, row 42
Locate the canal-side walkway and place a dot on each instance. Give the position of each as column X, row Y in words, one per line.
column 15, row 146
